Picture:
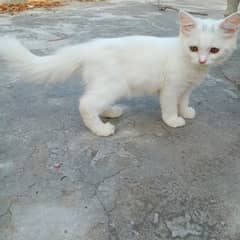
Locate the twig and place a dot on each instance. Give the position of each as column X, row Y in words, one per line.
column 57, row 39
column 162, row 7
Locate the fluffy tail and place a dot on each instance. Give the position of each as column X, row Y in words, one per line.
column 50, row 68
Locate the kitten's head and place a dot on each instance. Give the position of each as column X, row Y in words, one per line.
column 208, row 41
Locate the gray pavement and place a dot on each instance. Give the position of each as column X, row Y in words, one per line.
column 58, row 181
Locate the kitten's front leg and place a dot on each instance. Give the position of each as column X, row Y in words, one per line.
column 169, row 107
column 183, row 105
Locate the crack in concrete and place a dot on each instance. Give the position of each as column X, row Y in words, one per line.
column 112, row 231
column 8, row 211
column 98, row 184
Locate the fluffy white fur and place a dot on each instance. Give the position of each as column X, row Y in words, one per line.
column 115, row 68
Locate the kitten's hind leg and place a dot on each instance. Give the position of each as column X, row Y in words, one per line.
column 90, row 107
column 112, row 112
column 93, row 103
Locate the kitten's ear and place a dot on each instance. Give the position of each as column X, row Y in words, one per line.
column 230, row 24
column 187, row 22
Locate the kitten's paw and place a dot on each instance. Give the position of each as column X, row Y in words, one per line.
column 189, row 113
column 106, row 130
column 113, row 112
column 175, row 122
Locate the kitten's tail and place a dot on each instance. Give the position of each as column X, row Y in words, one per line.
column 50, row 68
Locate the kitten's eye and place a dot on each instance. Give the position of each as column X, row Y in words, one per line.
column 214, row 50
column 193, row 48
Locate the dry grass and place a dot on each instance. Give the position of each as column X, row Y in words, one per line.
column 14, row 8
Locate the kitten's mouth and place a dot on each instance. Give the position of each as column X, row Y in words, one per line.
column 203, row 64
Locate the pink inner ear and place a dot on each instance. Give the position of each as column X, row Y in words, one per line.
column 187, row 22
column 228, row 27
column 231, row 23
column 234, row 19
column 186, row 19
column 187, row 28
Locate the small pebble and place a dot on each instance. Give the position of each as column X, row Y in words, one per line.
column 156, row 218
column 222, row 223
column 212, row 201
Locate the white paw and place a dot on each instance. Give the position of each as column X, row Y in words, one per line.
column 175, row 122
column 106, row 130
column 113, row 112
column 188, row 113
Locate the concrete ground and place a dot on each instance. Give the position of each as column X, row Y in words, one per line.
column 58, row 181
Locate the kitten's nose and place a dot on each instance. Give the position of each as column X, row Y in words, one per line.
column 202, row 60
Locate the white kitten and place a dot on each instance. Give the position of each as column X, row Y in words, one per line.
column 129, row 66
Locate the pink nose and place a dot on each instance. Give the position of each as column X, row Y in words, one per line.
column 202, row 61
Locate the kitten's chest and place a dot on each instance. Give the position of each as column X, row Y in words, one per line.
column 191, row 76
column 187, row 80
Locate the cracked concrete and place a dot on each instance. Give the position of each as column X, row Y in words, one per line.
column 147, row 182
